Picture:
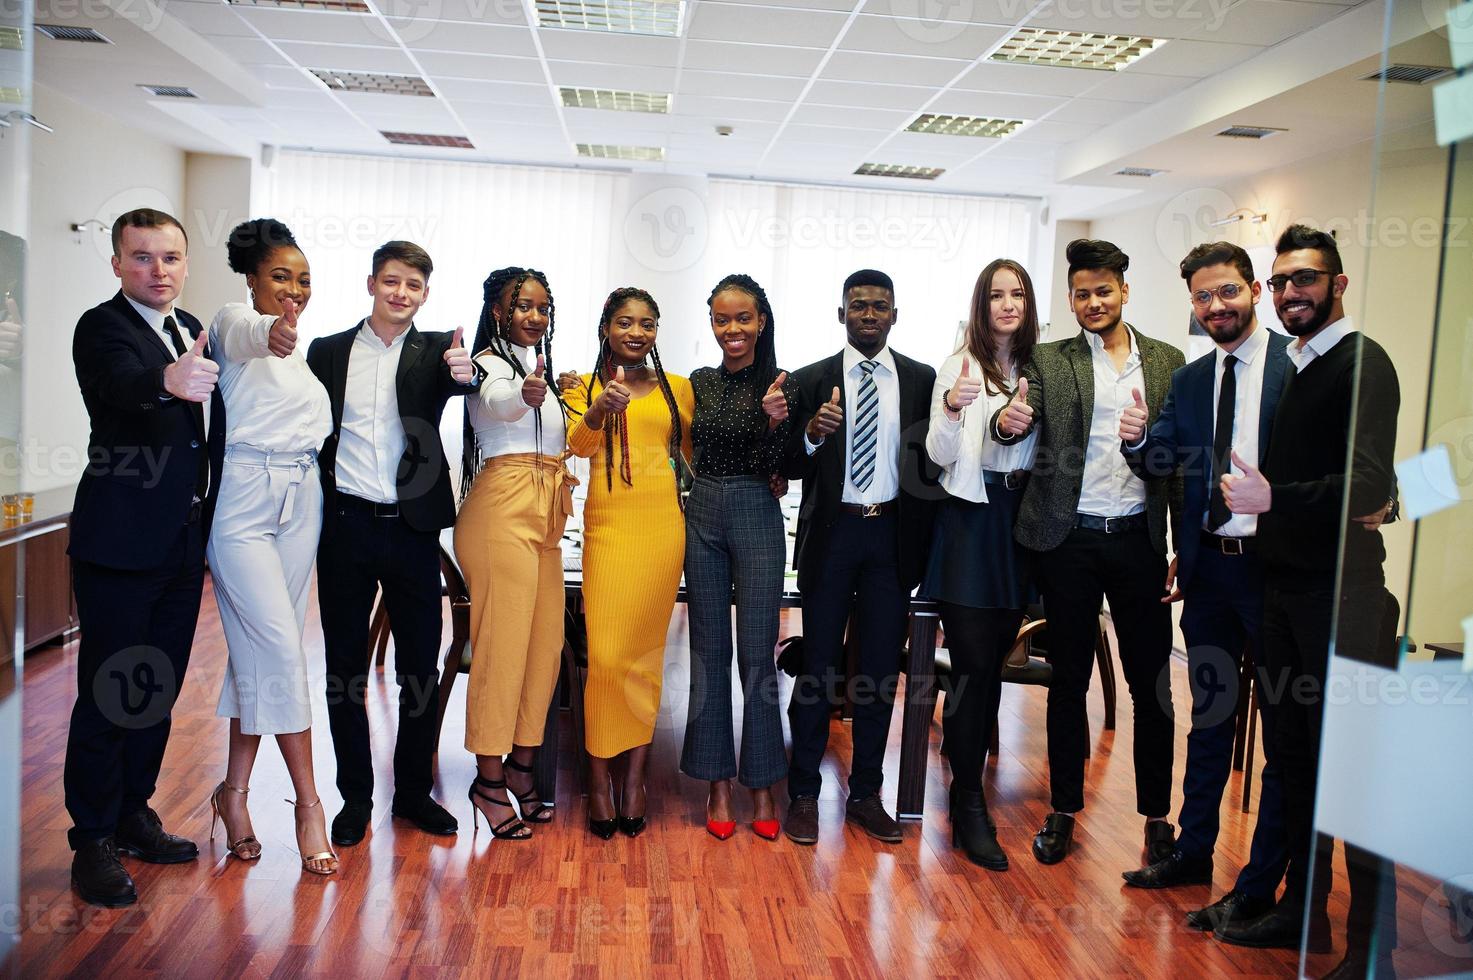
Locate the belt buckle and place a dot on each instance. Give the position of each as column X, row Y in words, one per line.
column 1108, row 529
column 1012, row 479
column 1232, row 546
column 869, row 510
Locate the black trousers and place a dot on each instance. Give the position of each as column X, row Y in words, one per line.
column 1074, row 577
column 860, row 574
column 358, row 554
column 979, row 641
column 137, row 629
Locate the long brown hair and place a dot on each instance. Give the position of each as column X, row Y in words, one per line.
column 980, row 341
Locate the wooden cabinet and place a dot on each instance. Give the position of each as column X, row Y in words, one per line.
column 49, row 610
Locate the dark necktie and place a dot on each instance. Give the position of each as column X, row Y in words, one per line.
column 202, row 476
column 1222, row 444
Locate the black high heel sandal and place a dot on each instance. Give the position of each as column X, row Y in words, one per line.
column 541, row 812
column 512, row 827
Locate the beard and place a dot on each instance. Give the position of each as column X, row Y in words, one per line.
column 1228, row 332
column 1319, row 319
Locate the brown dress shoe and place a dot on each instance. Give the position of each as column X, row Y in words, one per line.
column 802, row 823
column 870, row 814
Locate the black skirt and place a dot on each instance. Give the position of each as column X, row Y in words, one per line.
column 974, row 560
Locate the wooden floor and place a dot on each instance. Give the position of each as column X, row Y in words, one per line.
column 673, row 902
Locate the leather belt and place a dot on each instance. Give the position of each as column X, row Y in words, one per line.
column 1011, row 479
column 346, row 501
column 1229, row 546
column 869, row 510
column 1111, row 525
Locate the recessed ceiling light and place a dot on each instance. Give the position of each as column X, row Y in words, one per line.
column 898, row 170
column 963, row 125
column 1410, row 74
column 12, row 39
column 604, row 151
column 374, row 83
column 12, row 95
column 1137, row 172
column 1073, row 49
column 428, row 139
column 1250, row 132
column 661, row 17
column 603, row 98
column 169, row 91
column 84, row 34
column 342, row 6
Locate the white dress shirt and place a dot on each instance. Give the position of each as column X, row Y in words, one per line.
column 272, row 403
column 1109, row 488
column 1252, row 355
column 371, row 439
column 885, row 484
column 966, row 447
column 505, row 424
column 1304, row 354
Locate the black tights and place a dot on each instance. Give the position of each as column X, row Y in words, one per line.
column 979, row 641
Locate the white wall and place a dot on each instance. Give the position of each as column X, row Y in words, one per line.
column 90, row 167
column 217, row 197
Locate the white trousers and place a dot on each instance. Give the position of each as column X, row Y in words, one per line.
column 262, row 547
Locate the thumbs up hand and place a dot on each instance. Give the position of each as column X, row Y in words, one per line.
column 615, row 397
column 965, row 391
column 1133, row 419
column 459, row 359
column 282, row 339
column 568, row 380
column 1249, row 493
column 194, row 375
column 827, row 419
column 775, row 403
column 1017, row 418
column 534, row 388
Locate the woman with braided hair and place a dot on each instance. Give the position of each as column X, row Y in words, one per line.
column 734, row 536
column 517, row 496
column 635, row 429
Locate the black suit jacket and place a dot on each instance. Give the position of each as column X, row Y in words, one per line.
column 823, row 472
column 144, row 446
column 424, row 385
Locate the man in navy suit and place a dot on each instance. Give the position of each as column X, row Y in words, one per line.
column 138, row 534
column 1220, row 403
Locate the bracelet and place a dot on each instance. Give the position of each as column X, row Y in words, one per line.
column 946, row 400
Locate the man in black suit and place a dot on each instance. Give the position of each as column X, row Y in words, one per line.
column 863, row 532
column 386, row 497
column 1220, row 403
column 138, row 549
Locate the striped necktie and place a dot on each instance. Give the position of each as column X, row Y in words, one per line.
column 866, row 428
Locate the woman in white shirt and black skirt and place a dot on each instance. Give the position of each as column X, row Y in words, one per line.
column 976, row 572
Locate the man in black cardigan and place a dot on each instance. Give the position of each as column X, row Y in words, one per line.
column 863, row 532
column 386, row 497
column 1302, row 499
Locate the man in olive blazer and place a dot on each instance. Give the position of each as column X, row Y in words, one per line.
column 1095, row 530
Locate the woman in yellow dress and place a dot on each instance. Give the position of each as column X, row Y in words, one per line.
column 634, row 427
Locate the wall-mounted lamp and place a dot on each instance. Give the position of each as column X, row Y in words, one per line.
column 77, row 227
column 17, row 115
column 1241, row 214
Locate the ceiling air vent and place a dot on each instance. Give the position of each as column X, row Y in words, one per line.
column 1409, row 74
column 1137, row 172
column 428, row 139
column 343, row 6
column 84, row 34
column 659, row 17
column 963, row 125
column 1250, row 132
column 169, row 91
column 604, row 151
column 1074, row 49
column 602, row 98
column 898, row 170
column 373, row 83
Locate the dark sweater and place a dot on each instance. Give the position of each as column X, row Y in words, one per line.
column 1313, row 433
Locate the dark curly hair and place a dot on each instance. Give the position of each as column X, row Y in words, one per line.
column 252, row 242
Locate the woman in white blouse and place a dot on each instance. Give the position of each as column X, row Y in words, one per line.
column 975, row 572
column 264, row 538
column 517, row 498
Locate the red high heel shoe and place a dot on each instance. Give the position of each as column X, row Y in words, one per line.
column 766, row 829
column 720, row 829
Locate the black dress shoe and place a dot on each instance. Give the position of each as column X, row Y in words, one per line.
column 1232, row 907
column 1176, row 869
column 631, row 826
column 972, row 830
column 1282, row 927
column 426, row 814
column 351, row 823
column 1051, row 844
column 1160, row 841
column 99, row 877
column 142, row 835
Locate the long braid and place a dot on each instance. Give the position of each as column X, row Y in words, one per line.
column 675, row 448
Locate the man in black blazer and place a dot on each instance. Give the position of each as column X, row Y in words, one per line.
column 138, row 534
column 1096, row 530
column 386, row 497
column 1221, row 403
column 863, row 532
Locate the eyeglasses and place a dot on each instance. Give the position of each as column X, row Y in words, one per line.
column 1229, row 291
column 1300, row 278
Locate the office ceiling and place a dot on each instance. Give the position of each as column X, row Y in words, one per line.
column 810, row 89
